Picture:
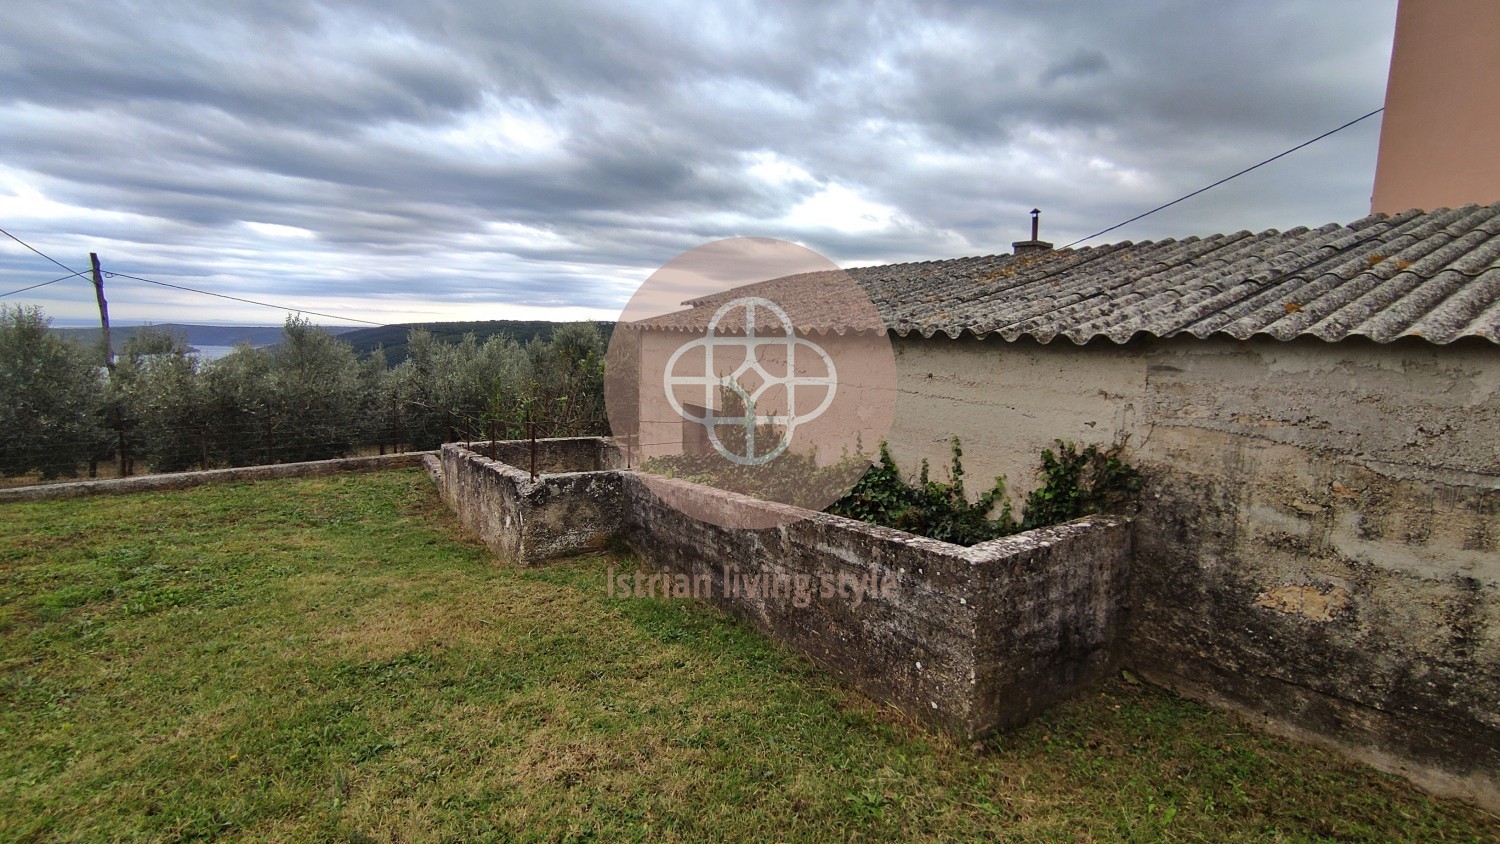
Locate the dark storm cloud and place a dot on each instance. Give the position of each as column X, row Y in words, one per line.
column 1081, row 64
column 393, row 158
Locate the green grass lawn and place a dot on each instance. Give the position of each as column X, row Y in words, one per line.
column 327, row 659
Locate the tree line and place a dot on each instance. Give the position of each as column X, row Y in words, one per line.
column 310, row 397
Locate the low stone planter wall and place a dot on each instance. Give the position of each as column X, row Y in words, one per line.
column 968, row 639
column 554, row 456
column 575, row 507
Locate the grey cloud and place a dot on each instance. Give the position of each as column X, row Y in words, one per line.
column 1081, row 64
column 334, row 118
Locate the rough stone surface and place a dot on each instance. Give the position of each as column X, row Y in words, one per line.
column 526, row 522
column 1318, row 545
column 433, row 467
column 183, row 480
column 1313, row 603
column 968, row 639
column 554, row 456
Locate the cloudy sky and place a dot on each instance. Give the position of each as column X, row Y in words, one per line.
column 470, row 159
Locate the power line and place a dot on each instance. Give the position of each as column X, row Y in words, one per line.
column 39, row 252
column 72, row 273
column 1227, row 178
column 43, row 284
column 246, row 301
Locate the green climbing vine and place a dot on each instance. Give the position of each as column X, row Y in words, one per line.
column 1075, row 482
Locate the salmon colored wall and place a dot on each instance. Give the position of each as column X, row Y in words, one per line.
column 1440, row 136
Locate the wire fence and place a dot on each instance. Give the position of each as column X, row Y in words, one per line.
column 106, row 454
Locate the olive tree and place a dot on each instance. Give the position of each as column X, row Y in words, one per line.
column 298, row 400
column 315, row 383
column 50, row 398
column 164, row 402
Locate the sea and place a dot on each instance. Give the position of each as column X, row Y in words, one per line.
column 208, row 353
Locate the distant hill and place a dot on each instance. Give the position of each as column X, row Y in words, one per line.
column 392, row 338
column 195, row 335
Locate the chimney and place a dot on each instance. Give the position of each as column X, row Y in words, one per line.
column 1438, row 133
column 1026, row 247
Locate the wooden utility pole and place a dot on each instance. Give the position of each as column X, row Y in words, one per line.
column 109, row 363
column 109, row 351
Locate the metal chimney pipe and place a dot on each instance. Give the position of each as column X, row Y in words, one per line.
column 1023, row 247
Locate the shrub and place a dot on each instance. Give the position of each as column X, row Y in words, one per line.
column 1075, row 483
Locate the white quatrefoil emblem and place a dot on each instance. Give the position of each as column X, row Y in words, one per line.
column 751, row 420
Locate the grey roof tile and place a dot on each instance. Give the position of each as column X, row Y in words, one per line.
column 1433, row 275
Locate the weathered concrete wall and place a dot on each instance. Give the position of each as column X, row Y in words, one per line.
column 969, row 639
column 1008, row 401
column 1318, row 544
column 183, row 480
column 526, row 522
column 555, row 455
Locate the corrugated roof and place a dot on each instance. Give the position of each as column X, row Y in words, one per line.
column 820, row 302
column 1434, row 275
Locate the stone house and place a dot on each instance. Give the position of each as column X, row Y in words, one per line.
column 1316, row 545
column 1317, row 413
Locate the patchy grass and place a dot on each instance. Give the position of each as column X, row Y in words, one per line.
column 321, row 659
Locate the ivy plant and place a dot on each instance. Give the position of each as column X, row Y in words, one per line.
column 1075, row 482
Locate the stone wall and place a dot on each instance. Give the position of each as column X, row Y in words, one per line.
column 183, row 480
column 554, row 455
column 969, row 639
column 1318, row 542
column 1008, row 401
column 526, row 522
